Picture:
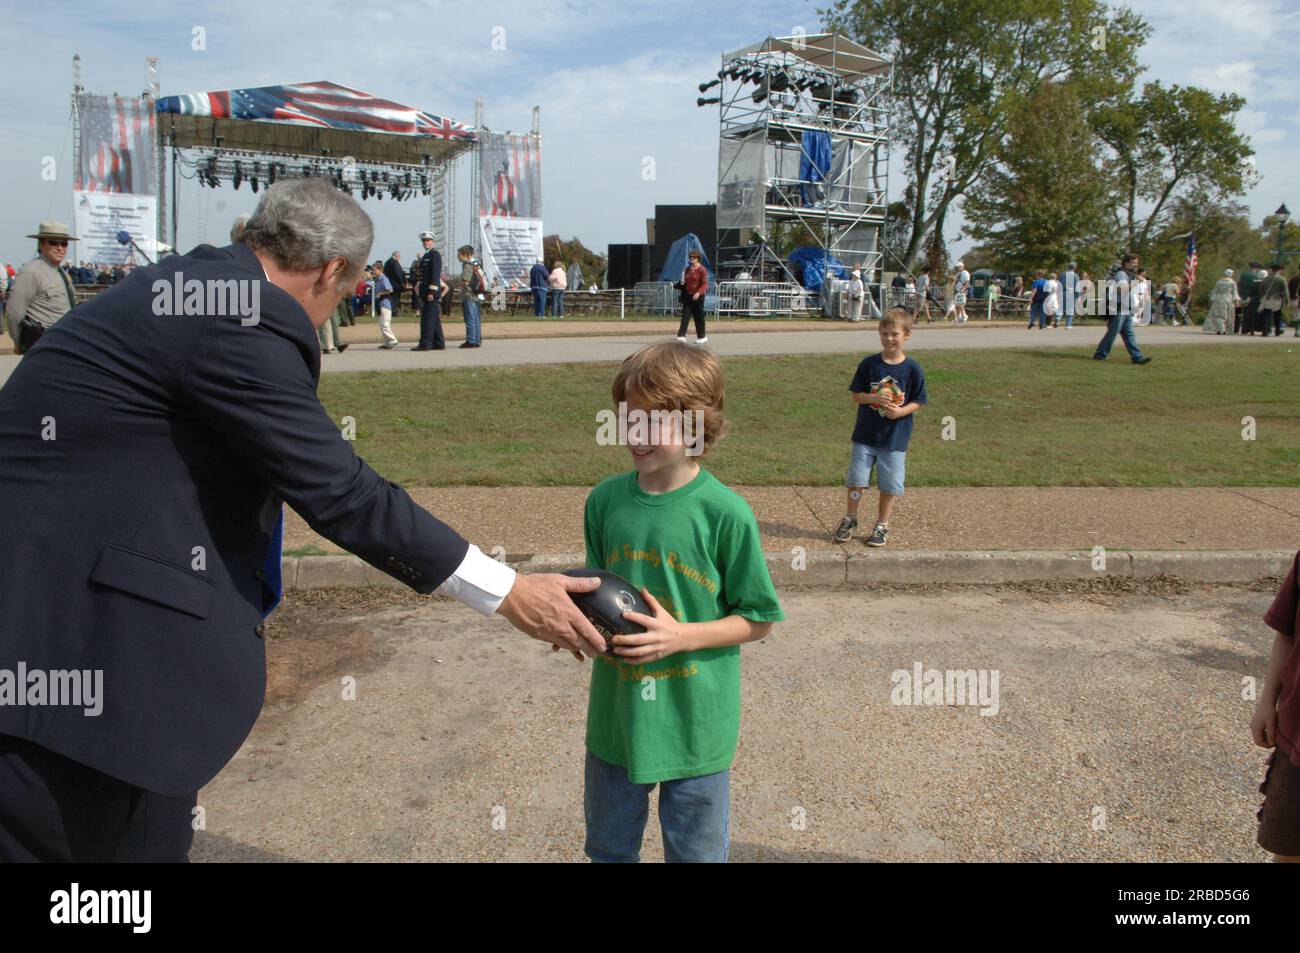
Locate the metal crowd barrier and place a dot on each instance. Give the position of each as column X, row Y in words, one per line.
column 763, row 298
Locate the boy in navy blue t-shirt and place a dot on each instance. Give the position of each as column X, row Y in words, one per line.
column 888, row 388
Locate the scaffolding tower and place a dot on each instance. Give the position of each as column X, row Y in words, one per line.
column 803, row 153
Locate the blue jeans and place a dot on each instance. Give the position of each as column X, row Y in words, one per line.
column 1036, row 311
column 1123, row 326
column 557, row 302
column 694, row 814
column 1069, row 319
column 473, row 328
column 539, row 302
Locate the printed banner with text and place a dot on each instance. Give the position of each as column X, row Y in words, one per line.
column 101, row 215
column 510, row 247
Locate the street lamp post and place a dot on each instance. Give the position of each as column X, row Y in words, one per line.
column 1283, row 215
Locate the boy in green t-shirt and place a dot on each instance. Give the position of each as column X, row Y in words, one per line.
column 666, row 709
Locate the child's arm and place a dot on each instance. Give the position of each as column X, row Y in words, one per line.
column 864, row 397
column 665, row 636
column 1263, row 726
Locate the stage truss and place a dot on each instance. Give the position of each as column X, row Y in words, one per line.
column 788, row 106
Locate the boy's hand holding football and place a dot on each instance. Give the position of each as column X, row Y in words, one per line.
column 663, row 635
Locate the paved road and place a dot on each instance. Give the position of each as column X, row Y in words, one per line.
column 1122, row 711
column 558, row 350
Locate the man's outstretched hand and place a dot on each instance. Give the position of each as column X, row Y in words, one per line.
column 540, row 605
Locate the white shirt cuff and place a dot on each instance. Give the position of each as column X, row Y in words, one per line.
column 480, row 581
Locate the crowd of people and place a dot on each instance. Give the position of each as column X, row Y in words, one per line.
column 1254, row 302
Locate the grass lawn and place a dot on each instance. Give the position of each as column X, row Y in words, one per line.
column 1023, row 418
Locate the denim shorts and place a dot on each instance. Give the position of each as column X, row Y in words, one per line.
column 694, row 815
column 890, row 468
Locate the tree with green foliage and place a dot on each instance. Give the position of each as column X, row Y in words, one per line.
column 1043, row 200
column 960, row 66
column 1168, row 143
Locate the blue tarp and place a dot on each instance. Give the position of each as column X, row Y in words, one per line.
column 816, row 262
column 675, row 263
column 814, row 163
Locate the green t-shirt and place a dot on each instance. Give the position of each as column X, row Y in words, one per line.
column 697, row 550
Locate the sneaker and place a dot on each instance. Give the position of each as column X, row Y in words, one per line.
column 682, row 339
column 879, row 536
column 343, row 347
column 703, row 340
column 844, row 532
column 1143, row 360
column 387, row 347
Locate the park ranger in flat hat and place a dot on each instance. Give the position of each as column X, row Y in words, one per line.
column 42, row 292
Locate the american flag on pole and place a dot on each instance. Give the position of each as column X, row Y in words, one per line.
column 1189, row 266
column 117, row 145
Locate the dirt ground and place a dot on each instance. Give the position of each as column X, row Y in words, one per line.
column 1120, row 732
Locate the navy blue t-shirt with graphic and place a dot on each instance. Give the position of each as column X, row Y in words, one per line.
column 873, row 375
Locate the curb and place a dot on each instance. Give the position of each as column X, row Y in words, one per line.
column 822, row 570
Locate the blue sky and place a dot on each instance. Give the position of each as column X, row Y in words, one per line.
column 615, row 80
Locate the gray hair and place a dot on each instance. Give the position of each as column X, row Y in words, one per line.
column 237, row 229
column 305, row 223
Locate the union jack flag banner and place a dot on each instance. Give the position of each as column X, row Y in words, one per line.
column 328, row 105
column 1189, row 266
column 117, row 145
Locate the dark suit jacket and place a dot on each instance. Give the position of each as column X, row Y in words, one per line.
column 430, row 274
column 175, row 438
column 396, row 276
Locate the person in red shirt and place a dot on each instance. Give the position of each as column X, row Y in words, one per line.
column 1276, row 725
column 696, row 284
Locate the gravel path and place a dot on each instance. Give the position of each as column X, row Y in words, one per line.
column 1127, row 704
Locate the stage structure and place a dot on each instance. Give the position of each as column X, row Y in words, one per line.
column 364, row 145
column 803, row 154
column 507, row 217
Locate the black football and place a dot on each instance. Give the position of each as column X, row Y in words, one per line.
column 605, row 605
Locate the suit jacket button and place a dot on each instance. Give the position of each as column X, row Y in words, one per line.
column 260, row 631
column 260, row 574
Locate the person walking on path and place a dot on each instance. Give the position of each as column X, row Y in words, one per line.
column 1246, row 285
column 559, row 282
column 1223, row 305
column 1273, row 295
column 961, row 285
column 384, row 293
column 1118, row 303
column 1052, row 300
column 1069, row 293
column 432, row 288
column 923, row 294
column 1036, row 301
column 471, row 285
column 857, row 291
column 695, row 281
column 42, row 293
column 397, row 278
column 538, row 279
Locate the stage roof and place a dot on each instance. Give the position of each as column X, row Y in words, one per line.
column 320, row 118
column 828, row 51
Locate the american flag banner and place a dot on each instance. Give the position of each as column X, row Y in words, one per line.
column 117, row 145
column 1189, row 266
column 324, row 104
column 510, row 176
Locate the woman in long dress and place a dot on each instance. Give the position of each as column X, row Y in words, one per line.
column 1223, row 305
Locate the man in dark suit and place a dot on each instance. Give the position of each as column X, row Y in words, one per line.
column 431, row 290
column 149, row 439
column 397, row 278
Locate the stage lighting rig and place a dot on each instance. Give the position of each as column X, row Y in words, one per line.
column 238, row 176
column 702, row 102
column 705, row 87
